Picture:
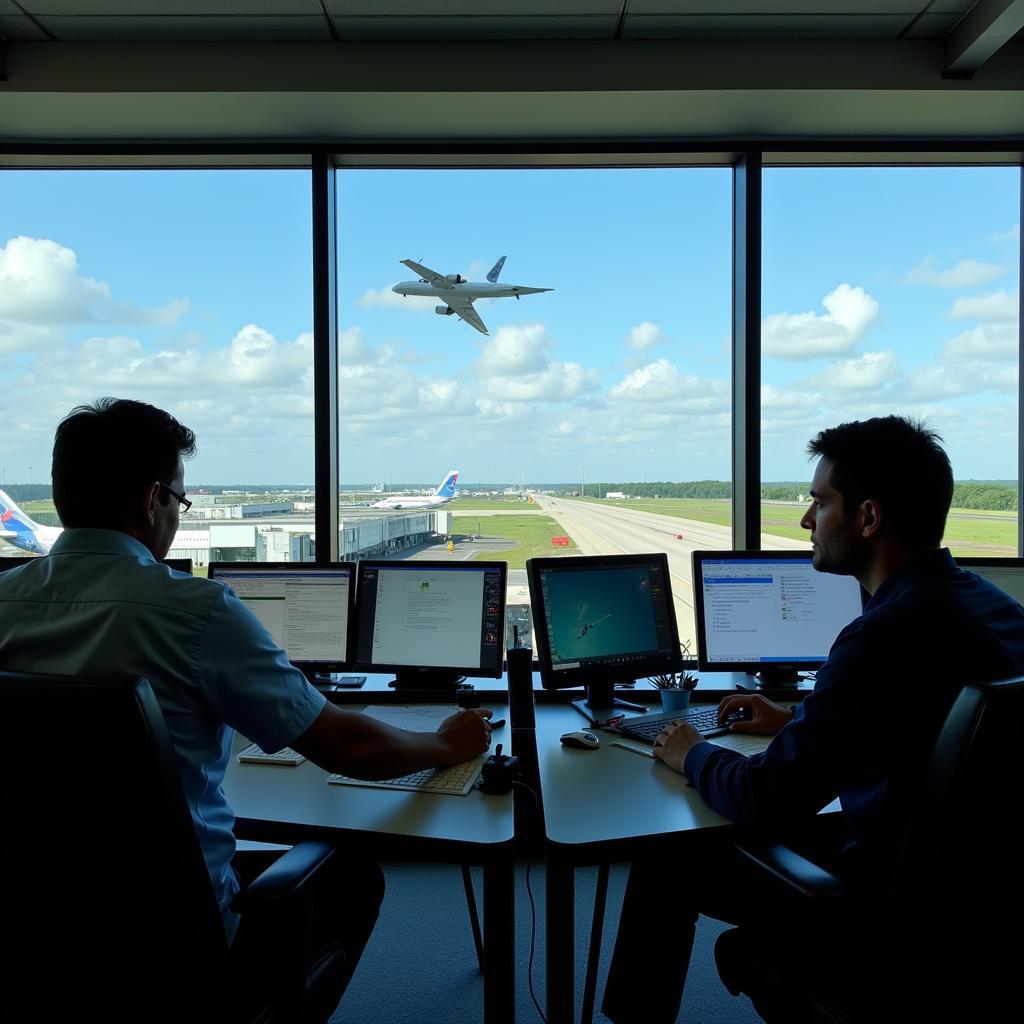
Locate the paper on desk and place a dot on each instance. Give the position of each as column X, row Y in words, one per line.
column 420, row 717
column 742, row 743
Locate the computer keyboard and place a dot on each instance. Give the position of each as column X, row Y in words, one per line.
column 456, row 780
column 704, row 720
column 252, row 754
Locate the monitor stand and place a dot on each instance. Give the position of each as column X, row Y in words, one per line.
column 600, row 703
column 437, row 680
column 777, row 679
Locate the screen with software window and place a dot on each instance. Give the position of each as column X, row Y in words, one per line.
column 431, row 615
column 765, row 610
column 1006, row 573
column 305, row 608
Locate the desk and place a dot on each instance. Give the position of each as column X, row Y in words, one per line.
column 285, row 804
column 602, row 806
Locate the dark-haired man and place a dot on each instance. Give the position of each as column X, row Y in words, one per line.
column 879, row 499
column 101, row 603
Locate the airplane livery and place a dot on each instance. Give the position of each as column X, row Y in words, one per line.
column 23, row 532
column 444, row 493
column 458, row 293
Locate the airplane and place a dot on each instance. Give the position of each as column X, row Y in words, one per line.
column 444, row 493
column 590, row 625
column 458, row 293
column 18, row 529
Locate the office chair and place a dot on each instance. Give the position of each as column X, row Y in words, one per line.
column 108, row 911
column 942, row 942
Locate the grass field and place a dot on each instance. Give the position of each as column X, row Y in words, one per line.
column 532, row 535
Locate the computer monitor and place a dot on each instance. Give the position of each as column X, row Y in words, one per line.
column 431, row 622
column 306, row 608
column 1006, row 573
column 15, row 560
column 602, row 620
column 769, row 613
column 178, row 564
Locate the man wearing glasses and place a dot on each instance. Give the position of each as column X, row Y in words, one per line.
column 102, row 603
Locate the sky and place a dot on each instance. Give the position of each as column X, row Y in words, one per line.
column 884, row 290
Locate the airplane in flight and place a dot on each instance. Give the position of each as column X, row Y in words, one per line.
column 458, row 293
column 590, row 625
column 18, row 529
column 444, row 493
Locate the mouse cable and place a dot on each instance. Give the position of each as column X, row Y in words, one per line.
column 533, row 913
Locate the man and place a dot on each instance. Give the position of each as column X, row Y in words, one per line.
column 879, row 500
column 102, row 603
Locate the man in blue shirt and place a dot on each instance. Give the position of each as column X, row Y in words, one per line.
column 101, row 602
column 880, row 495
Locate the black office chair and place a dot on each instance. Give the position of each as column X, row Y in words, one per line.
column 108, row 912
column 943, row 941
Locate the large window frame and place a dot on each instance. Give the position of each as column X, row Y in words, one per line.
column 747, row 160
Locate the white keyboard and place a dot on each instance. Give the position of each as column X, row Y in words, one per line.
column 253, row 755
column 457, row 780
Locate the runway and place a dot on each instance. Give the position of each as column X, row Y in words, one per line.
column 618, row 529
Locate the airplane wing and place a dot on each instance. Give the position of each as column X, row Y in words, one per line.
column 7, row 534
column 463, row 309
column 428, row 275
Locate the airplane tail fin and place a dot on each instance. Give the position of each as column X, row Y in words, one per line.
column 446, row 489
column 492, row 275
column 12, row 518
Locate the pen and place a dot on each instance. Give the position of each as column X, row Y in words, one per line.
column 633, row 750
column 497, row 724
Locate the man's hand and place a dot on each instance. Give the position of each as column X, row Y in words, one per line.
column 764, row 717
column 464, row 735
column 674, row 742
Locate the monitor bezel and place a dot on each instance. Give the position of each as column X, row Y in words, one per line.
column 363, row 659
column 16, row 561
column 980, row 562
column 313, row 670
column 177, row 568
column 591, row 675
column 697, row 559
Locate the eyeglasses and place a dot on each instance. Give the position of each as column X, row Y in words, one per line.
column 182, row 500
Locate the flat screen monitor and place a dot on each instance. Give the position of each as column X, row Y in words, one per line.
column 602, row 620
column 1006, row 573
column 306, row 608
column 15, row 560
column 769, row 613
column 431, row 622
column 178, row 564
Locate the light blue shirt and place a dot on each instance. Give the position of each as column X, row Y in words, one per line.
column 100, row 603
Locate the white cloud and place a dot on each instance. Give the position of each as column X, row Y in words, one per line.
column 810, row 335
column 937, row 382
column 644, row 336
column 40, row 284
column 660, row 384
column 1000, row 307
column 987, row 341
column 1010, row 235
column 965, row 274
column 515, row 351
column 868, row 372
column 392, row 300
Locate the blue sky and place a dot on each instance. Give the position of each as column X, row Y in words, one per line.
column 884, row 291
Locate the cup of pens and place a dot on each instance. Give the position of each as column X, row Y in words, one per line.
column 675, row 689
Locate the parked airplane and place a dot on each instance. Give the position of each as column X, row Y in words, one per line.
column 458, row 293
column 444, row 493
column 18, row 529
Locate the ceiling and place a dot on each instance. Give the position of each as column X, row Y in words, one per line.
column 512, row 71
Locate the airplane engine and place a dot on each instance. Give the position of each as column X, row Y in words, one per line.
column 455, row 278
column 443, row 310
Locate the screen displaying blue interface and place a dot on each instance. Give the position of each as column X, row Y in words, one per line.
column 769, row 609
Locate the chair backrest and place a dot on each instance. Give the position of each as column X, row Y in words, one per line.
column 957, row 897
column 108, row 905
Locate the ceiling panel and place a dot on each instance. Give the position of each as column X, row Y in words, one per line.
column 472, row 8
column 145, row 8
column 768, row 26
column 932, row 26
column 18, row 28
column 760, row 8
column 167, row 28
column 496, row 27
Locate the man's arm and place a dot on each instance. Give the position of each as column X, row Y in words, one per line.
column 354, row 744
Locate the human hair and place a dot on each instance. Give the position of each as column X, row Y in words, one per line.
column 898, row 462
column 107, row 453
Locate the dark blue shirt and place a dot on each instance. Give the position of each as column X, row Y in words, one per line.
column 866, row 732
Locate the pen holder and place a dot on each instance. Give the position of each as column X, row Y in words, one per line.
column 675, row 701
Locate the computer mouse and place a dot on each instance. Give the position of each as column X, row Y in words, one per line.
column 581, row 740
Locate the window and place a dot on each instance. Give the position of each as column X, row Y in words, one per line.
column 894, row 290
column 591, row 418
column 188, row 289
